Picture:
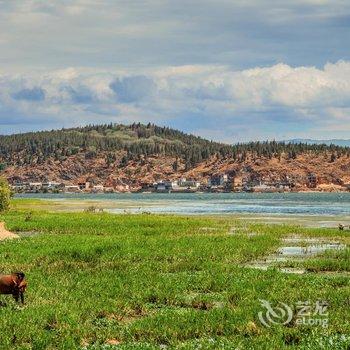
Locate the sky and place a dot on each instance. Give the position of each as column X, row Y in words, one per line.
column 226, row 70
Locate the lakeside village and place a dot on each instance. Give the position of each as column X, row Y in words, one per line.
column 216, row 183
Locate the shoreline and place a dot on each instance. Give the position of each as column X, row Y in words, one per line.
column 179, row 192
column 266, row 208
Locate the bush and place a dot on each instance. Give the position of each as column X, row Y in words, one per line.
column 5, row 195
column 90, row 209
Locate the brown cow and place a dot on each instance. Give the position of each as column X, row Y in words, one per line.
column 14, row 284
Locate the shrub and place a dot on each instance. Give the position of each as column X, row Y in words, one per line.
column 5, row 195
column 90, row 209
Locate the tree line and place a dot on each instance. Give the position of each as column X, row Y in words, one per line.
column 139, row 140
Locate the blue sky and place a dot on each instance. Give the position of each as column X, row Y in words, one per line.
column 226, row 70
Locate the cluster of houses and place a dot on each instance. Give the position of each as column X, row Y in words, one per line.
column 164, row 186
column 58, row 187
column 215, row 183
column 182, row 185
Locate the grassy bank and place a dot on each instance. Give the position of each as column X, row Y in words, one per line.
column 145, row 281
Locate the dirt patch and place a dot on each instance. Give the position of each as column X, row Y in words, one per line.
column 4, row 234
column 129, row 316
column 113, row 342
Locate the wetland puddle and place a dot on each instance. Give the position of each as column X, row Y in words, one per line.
column 296, row 249
column 306, row 251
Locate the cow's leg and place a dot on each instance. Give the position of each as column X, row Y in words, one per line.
column 16, row 297
column 21, row 294
column 2, row 303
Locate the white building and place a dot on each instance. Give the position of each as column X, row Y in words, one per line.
column 72, row 188
column 189, row 184
column 97, row 188
column 33, row 186
column 84, row 185
column 51, row 185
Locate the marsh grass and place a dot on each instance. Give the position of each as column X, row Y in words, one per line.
column 101, row 281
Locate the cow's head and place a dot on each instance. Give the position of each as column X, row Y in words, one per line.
column 20, row 276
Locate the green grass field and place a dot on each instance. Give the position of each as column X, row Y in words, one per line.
column 101, row 281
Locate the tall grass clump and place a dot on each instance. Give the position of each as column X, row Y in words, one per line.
column 5, row 195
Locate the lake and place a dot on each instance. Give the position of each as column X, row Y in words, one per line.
column 332, row 207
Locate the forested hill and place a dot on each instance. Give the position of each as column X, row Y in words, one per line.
column 135, row 140
column 138, row 140
column 131, row 155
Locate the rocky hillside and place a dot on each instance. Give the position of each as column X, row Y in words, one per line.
column 119, row 155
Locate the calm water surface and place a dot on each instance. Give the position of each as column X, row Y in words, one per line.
column 306, row 204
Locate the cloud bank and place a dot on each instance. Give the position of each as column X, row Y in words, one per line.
column 212, row 67
column 217, row 102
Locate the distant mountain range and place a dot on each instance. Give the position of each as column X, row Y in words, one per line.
column 337, row 142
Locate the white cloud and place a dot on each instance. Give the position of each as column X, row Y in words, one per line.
column 218, row 98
